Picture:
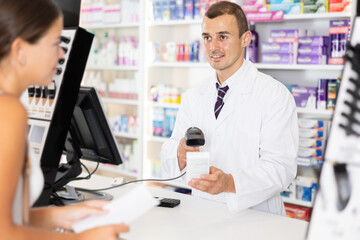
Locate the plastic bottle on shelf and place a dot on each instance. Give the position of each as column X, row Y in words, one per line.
column 254, row 44
column 121, row 52
column 128, row 48
column 127, row 152
column 135, row 156
column 93, row 57
column 102, row 50
column 112, row 53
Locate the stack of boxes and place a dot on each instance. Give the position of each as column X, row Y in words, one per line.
column 289, row 46
column 163, row 121
column 322, row 97
column 282, row 46
column 313, row 50
column 339, row 32
column 311, row 133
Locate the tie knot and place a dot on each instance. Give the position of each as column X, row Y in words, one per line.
column 221, row 90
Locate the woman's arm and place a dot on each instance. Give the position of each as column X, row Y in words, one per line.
column 13, row 128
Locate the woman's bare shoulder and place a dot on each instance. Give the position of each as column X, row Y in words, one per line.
column 11, row 109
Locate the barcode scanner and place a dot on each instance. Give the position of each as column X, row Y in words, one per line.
column 194, row 137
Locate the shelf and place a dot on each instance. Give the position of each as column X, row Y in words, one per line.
column 180, row 64
column 156, row 139
column 127, row 135
column 298, row 67
column 118, row 25
column 315, row 112
column 331, row 15
column 120, row 101
column 257, row 65
column 175, row 22
column 297, row 202
column 287, row 17
column 163, row 105
column 113, row 68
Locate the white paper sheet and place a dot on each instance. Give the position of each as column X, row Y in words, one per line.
column 122, row 210
column 197, row 164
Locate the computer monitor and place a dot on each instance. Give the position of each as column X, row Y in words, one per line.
column 89, row 138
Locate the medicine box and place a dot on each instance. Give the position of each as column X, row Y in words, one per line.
column 310, row 124
column 279, row 48
column 305, row 97
column 311, row 133
column 278, row 58
column 311, row 59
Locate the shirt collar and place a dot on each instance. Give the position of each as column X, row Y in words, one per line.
column 238, row 78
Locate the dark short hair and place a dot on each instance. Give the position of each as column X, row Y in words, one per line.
column 27, row 19
column 229, row 8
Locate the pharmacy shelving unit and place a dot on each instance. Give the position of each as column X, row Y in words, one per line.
column 125, row 106
column 186, row 74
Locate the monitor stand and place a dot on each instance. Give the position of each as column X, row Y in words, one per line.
column 70, row 195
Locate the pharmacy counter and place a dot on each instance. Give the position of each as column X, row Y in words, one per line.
column 197, row 218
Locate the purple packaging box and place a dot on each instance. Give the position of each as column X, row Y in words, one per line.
column 314, row 41
column 311, row 59
column 322, row 94
column 267, row 47
column 275, row 58
column 287, row 33
column 340, row 23
column 305, row 97
column 312, row 50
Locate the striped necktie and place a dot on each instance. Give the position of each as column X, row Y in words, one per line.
column 220, row 102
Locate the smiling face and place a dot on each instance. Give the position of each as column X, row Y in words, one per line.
column 224, row 48
column 42, row 57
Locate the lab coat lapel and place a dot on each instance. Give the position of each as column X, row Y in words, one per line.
column 246, row 78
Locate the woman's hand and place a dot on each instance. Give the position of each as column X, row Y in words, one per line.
column 110, row 232
column 65, row 217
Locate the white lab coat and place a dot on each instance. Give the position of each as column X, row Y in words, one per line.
column 255, row 137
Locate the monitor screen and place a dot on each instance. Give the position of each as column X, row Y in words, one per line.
column 92, row 130
column 71, row 11
column 89, row 137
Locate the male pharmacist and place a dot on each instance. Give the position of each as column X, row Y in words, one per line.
column 249, row 121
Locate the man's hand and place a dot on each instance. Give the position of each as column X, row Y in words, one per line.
column 181, row 153
column 214, row 183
